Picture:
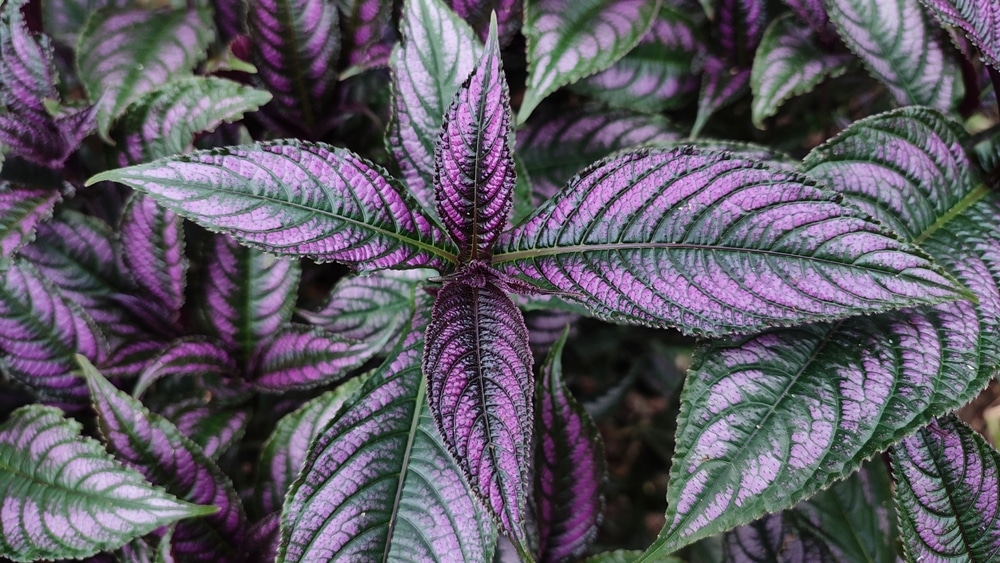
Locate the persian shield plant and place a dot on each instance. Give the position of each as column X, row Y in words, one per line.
column 806, row 312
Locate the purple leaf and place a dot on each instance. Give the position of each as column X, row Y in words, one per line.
column 153, row 250
column 721, row 84
column 480, row 387
column 230, row 19
column 41, row 330
column 898, row 47
column 474, row 169
column 295, row 45
column 657, row 74
column 65, row 497
column 813, row 12
column 569, row 467
column 21, row 210
column 554, row 146
column 188, row 357
column 477, row 14
column 767, row 421
column 165, row 121
column 371, row 310
column 715, row 244
column 248, row 295
column 978, row 19
column 212, row 427
column 64, row 19
column 284, row 453
column 379, row 477
column 948, row 482
column 153, row 445
column 261, row 541
column 776, row 537
column 125, row 53
column 294, row 198
column 566, row 43
column 907, row 168
column 740, row 25
column 301, row 357
column 788, row 63
column 28, row 76
column 426, row 74
column 369, row 22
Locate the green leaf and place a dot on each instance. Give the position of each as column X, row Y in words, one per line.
column 571, row 39
column 125, row 53
column 788, row 63
column 65, row 497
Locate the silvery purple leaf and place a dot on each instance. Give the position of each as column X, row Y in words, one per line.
column 554, row 146
column 165, row 121
column 21, row 210
column 739, row 25
column 545, row 327
column 295, row 45
column 569, row 467
column 368, row 23
column 79, row 254
column 284, row 453
column 125, row 53
column 978, row 19
column 657, row 74
column 780, row 537
column 230, row 19
column 477, row 14
column 743, row 447
column 770, row 156
column 64, row 19
column 480, row 389
column 65, row 497
column 702, row 229
column 295, row 198
column 214, row 428
column 788, row 63
column 813, row 13
column 370, row 309
column 301, row 357
column 248, row 294
column 426, row 73
column 380, row 475
column 261, row 540
column 153, row 445
column 948, row 482
column 721, row 84
column 907, row 168
column 898, row 47
column 473, row 165
column 41, row 330
column 152, row 239
column 566, row 44
column 188, row 357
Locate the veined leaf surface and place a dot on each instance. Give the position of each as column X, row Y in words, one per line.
column 380, row 473
column 437, row 52
column 894, row 41
column 284, row 453
column 125, row 53
column 768, row 420
column 569, row 467
column 295, row 45
column 213, row 427
column 40, row 332
column 788, row 63
column 302, row 356
column 365, row 43
column 154, row 446
column 555, row 146
column 65, row 497
column 480, row 389
column 296, row 198
column 978, row 19
column 153, row 250
column 721, row 84
column 474, row 166
column 165, row 121
column 477, row 14
column 571, row 39
column 948, row 482
column 711, row 244
column 21, row 210
column 248, row 294
column 739, row 27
